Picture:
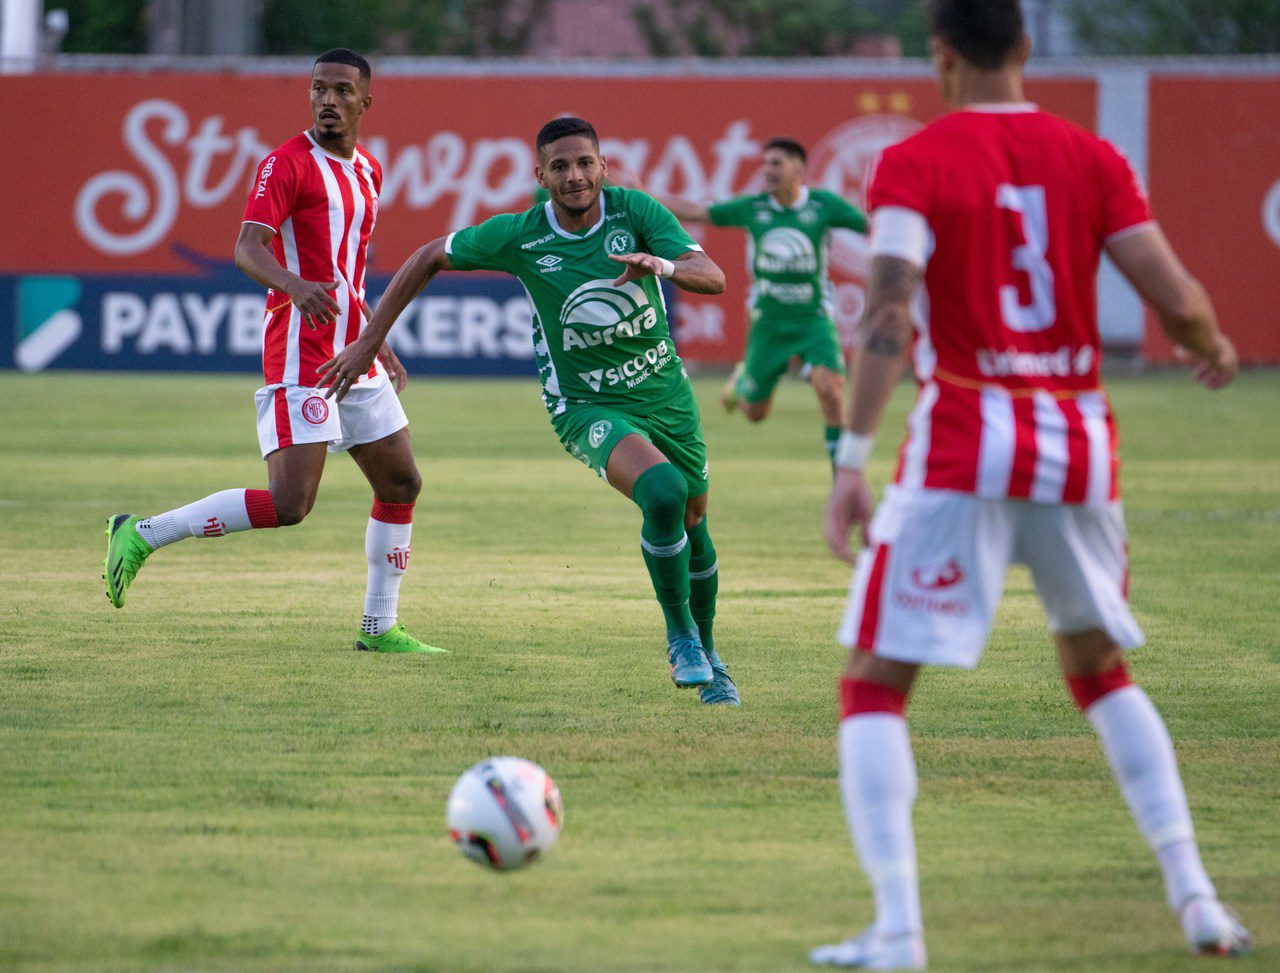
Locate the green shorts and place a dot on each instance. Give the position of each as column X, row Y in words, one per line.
column 589, row 433
column 772, row 344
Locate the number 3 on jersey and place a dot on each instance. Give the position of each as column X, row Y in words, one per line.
column 1028, row 257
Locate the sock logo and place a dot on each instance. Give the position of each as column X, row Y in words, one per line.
column 213, row 527
column 47, row 323
column 315, row 410
column 399, row 558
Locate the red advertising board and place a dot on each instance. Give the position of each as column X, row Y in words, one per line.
column 1214, row 174
column 142, row 173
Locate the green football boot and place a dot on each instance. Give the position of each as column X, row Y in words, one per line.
column 394, row 639
column 126, row 552
column 720, row 691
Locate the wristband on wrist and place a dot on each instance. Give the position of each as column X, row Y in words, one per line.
column 853, row 450
column 666, row 269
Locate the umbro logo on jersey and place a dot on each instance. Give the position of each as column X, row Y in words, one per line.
column 549, row 261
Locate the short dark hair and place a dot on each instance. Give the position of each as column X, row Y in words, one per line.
column 985, row 32
column 561, row 128
column 344, row 55
column 789, row 146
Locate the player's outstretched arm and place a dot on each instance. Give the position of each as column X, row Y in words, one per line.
column 1181, row 304
column 685, row 210
column 886, row 334
column 342, row 371
column 254, row 259
column 694, row 271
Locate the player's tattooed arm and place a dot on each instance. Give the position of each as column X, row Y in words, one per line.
column 886, row 337
column 342, row 371
column 693, row 271
column 255, row 260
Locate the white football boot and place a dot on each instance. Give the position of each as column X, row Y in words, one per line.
column 1211, row 930
column 871, row 951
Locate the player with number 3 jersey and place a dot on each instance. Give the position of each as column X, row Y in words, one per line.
column 1003, row 211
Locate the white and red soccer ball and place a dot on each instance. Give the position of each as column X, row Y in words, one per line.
column 504, row 813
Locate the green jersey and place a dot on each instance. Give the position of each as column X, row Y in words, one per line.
column 787, row 248
column 593, row 342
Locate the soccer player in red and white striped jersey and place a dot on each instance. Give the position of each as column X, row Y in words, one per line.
column 305, row 236
column 1002, row 211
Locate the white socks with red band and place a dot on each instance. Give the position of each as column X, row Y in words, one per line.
column 878, row 784
column 386, row 547
column 225, row 512
column 1141, row 754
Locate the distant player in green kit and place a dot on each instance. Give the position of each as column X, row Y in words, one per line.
column 618, row 395
column 790, row 304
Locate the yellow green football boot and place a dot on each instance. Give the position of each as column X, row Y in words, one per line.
column 394, row 639
column 126, row 553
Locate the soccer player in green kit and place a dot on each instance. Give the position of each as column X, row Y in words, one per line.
column 619, row 399
column 790, row 295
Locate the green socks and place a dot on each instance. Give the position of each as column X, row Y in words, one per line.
column 661, row 493
column 704, row 582
column 832, row 436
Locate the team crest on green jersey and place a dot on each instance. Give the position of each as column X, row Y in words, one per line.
column 619, row 241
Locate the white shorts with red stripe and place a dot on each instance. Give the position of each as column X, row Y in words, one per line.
column 289, row 415
column 927, row 588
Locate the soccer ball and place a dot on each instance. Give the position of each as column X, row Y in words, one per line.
column 504, row 813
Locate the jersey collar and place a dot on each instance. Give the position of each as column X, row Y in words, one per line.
column 555, row 224
column 1003, row 108
column 331, row 155
column 800, row 200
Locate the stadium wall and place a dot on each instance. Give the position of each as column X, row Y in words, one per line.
column 122, row 220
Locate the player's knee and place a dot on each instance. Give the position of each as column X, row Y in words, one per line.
column 291, row 510
column 756, row 411
column 402, row 487
column 662, row 494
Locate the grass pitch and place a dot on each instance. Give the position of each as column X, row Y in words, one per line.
column 210, row 779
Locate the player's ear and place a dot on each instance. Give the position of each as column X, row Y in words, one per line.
column 604, row 166
column 539, row 175
column 1022, row 51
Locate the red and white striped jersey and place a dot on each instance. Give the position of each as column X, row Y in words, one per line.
column 1019, row 204
column 322, row 208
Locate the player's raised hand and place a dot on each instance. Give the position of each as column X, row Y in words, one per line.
column 396, row 371
column 315, row 301
column 639, row 266
column 850, row 504
column 1212, row 373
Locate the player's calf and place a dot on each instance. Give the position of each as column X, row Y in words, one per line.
column 878, row 785
column 131, row 540
column 1141, row 755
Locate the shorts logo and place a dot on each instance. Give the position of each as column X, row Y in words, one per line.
column 599, row 433
column 619, row 241
column 315, row 410
column 935, row 577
